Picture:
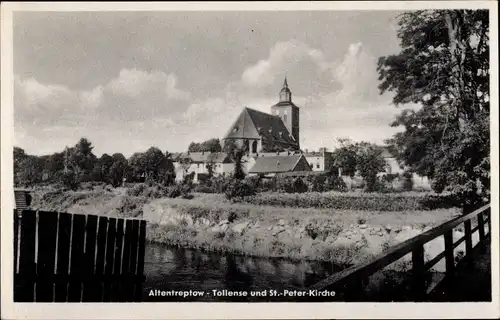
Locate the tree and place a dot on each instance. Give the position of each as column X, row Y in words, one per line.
column 118, row 169
column 19, row 156
column 211, row 145
column 361, row 157
column 154, row 160
column 369, row 162
column 137, row 164
column 185, row 164
column 443, row 67
column 345, row 157
column 102, row 167
column 54, row 166
column 80, row 160
column 236, row 154
column 29, row 171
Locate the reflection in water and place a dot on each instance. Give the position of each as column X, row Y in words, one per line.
column 169, row 268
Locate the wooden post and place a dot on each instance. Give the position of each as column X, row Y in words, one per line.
column 449, row 255
column 418, row 273
column 77, row 259
column 488, row 215
column 109, row 263
column 140, row 261
column 482, row 236
column 468, row 237
column 89, row 283
column 47, row 233
column 27, row 265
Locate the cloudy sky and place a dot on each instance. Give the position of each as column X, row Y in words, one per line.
column 128, row 81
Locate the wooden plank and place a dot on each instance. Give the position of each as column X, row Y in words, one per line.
column 63, row 251
column 396, row 252
column 77, row 258
column 47, row 235
column 100, row 256
column 449, row 253
column 16, row 240
column 27, row 265
column 134, row 247
column 140, row 260
column 89, row 259
column 126, row 288
column 418, row 273
column 16, row 256
column 117, row 261
column 110, row 253
column 488, row 215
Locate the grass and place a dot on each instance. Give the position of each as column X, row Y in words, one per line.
column 212, row 206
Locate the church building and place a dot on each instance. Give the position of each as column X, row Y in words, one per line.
column 262, row 132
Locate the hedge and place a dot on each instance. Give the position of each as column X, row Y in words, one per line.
column 349, row 201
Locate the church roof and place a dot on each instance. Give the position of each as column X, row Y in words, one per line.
column 253, row 124
column 275, row 164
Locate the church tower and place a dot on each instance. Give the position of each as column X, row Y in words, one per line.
column 288, row 112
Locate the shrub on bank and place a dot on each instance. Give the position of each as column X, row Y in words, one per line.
column 345, row 201
column 239, row 189
column 155, row 190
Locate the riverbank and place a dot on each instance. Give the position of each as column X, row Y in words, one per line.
column 211, row 223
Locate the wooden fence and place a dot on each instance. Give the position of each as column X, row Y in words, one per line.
column 62, row 257
column 351, row 282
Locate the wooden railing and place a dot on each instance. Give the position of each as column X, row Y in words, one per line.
column 356, row 277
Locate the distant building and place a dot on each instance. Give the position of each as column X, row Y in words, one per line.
column 271, row 165
column 321, row 160
column 393, row 167
column 199, row 162
column 263, row 132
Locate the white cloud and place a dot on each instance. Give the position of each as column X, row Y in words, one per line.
column 138, row 109
column 134, row 82
column 306, row 67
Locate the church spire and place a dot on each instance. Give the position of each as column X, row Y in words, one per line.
column 285, row 93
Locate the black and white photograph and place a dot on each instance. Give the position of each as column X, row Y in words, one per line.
column 270, row 156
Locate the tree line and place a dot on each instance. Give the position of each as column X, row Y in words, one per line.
column 78, row 164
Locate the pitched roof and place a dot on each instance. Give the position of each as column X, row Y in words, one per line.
column 275, row 164
column 176, row 155
column 255, row 124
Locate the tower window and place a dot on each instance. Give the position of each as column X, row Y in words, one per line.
column 284, row 117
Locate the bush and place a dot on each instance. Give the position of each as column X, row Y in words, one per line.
column 408, row 181
column 299, row 186
column 335, row 183
column 390, row 177
column 253, row 181
column 174, row 191
column 136, row 190
column 220, row 183
column 239, row 189
column 318, row 183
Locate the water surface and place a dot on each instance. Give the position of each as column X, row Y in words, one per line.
column 175, row 270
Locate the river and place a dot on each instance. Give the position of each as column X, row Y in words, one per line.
column 171, row 270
